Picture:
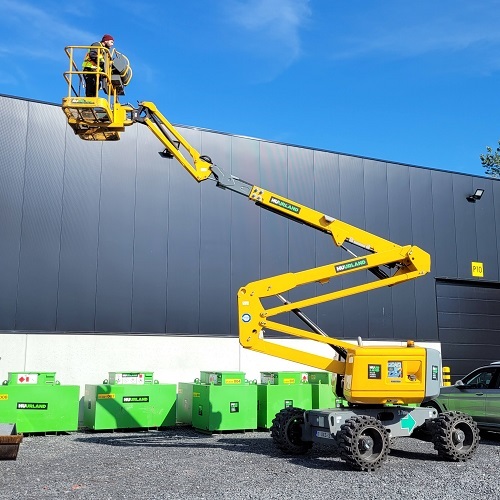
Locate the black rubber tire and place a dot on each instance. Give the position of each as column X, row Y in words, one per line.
column 455, row 436
column 286, row 431
column 364, row 443
column 424, row 431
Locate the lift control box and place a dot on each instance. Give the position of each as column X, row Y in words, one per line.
column 37, row 402
column 129, row 400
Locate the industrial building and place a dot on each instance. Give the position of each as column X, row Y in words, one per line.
column 113, row 258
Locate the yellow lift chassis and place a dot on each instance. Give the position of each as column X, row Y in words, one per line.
column 374, row 380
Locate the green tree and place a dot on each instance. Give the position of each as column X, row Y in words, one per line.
column 491, row 161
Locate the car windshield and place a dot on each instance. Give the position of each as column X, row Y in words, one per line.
column 480, row 379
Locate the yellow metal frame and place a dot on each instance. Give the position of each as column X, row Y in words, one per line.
column 409, row 262
column 199, row 169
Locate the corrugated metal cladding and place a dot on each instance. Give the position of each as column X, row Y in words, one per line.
column 110, row 237
column 469, row 324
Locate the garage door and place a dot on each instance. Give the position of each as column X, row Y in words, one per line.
column 469, row 324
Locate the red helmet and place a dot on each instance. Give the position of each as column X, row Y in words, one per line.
column 105, row 38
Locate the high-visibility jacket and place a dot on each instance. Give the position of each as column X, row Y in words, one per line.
column 94, row 59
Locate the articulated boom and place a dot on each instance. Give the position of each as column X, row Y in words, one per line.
column 104, row 118
column 375, row 380
column 405, row 263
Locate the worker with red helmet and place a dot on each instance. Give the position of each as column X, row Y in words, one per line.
column 94, row 61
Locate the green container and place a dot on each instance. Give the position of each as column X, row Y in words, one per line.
column 271, row 399
column 222, row 378
column 36, row 402
column 282, row 378
column 322, row 391
column 130, row 402
column 185, row 402
column 224, row 407
column 279, row 390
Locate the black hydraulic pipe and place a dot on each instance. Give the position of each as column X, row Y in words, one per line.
column 314, row 327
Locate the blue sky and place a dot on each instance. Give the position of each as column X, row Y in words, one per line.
column 398, row 80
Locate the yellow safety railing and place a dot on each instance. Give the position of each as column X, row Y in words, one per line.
column 103, row 75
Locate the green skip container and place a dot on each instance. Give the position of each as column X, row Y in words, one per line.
column 278, row 390
column 224, row 401
column 322, row 391
column 129, row 400
column 37, row 402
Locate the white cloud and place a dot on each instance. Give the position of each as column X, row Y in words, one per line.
column 37, row 32
column 410, row 31
column 269, row 30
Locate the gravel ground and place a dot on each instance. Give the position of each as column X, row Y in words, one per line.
column 181, row 463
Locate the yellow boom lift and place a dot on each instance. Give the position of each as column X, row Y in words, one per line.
column 382, row 385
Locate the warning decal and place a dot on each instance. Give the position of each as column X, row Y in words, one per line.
column 27, row 378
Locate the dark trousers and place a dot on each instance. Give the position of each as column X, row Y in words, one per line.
column 90, row 85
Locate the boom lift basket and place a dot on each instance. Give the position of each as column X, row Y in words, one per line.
column 96, row 118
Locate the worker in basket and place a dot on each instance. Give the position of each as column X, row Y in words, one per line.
column 93, row 62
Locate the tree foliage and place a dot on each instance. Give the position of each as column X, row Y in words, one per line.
column 491, row 161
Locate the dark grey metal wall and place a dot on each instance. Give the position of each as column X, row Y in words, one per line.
column 469, row 324
column 112, row 238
